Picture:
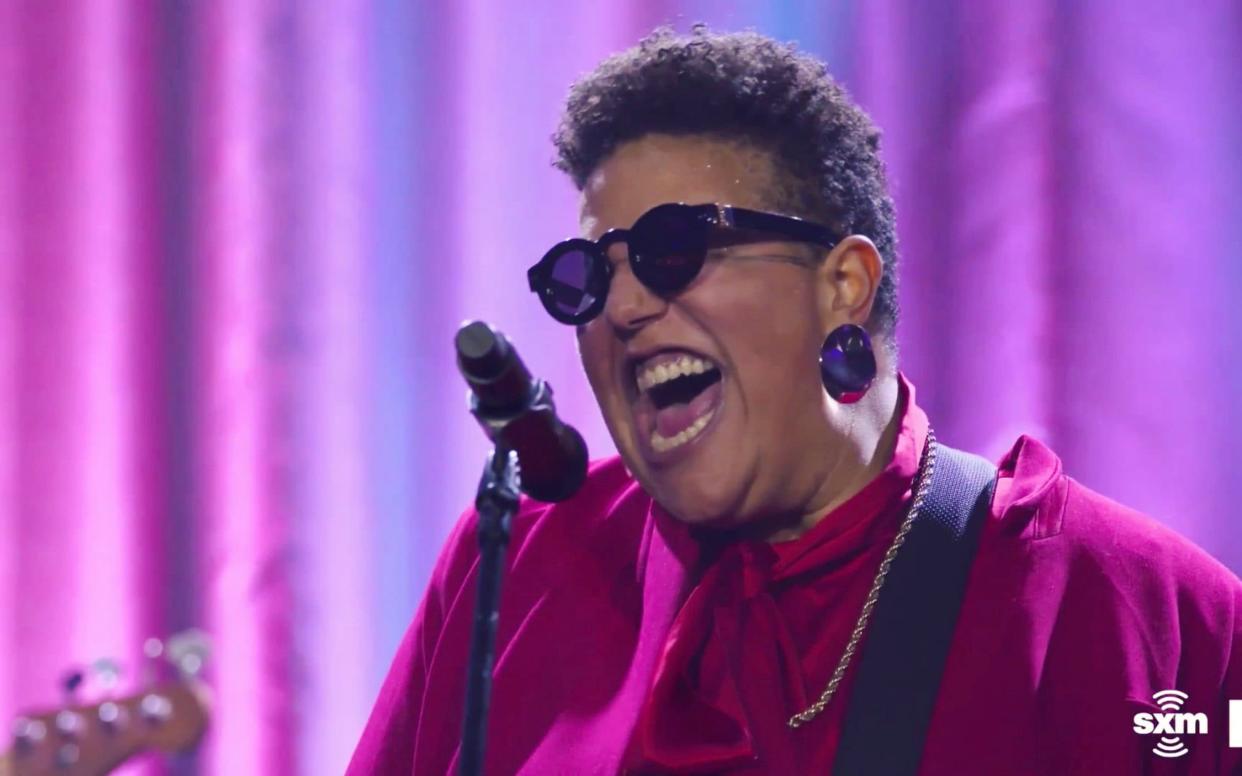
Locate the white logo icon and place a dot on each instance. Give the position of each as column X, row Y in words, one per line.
column 1235, row 724
column 1170, row 723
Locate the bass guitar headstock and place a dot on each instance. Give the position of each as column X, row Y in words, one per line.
column 93, row 739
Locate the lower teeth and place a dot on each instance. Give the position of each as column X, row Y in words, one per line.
column 661, row 444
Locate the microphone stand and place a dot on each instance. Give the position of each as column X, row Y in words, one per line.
column 496, row 502
column 517, row 414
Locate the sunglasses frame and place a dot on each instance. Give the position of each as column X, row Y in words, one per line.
column 644, row 251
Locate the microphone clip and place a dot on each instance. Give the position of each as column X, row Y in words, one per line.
column 496, row 423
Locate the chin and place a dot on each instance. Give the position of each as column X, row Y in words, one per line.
column 699, row 483
column 697, row 498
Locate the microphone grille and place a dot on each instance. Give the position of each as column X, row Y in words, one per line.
column 481, row 350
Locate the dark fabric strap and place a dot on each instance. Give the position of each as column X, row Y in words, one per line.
column 904, row 650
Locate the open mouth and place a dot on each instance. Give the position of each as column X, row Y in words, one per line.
column 679, row 394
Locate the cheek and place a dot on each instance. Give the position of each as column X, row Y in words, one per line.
column 592, row 352
column 766, row 321
column 769, row 332
column 596, row 352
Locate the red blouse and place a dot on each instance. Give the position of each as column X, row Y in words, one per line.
column 761, row 633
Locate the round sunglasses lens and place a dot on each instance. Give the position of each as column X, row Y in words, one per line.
column 667, row 247
column 572, row 284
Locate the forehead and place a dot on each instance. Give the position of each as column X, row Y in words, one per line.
column 656, row 169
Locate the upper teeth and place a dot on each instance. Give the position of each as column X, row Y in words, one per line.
column 669, row 370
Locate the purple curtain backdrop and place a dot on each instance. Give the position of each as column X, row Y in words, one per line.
column 236, row 239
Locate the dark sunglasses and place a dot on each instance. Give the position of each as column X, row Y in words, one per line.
column 667, row 247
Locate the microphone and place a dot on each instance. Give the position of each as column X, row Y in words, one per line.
column 516, row 412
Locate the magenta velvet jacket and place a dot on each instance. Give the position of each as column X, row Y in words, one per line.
column 629, row 643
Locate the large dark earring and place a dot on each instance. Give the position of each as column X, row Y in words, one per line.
column 847, row 363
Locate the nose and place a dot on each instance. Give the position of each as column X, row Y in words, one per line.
column 630, row 304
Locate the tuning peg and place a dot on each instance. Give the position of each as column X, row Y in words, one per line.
column 111, row 716
column 67, row 755
column 153, row 648
column 188, row 651
column 68, row 723
column 28, row 733
column 155, row 708
column 108, row 671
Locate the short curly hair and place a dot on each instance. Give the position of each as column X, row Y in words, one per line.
column 745, row 88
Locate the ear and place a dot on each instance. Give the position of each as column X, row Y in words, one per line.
column 847, row 282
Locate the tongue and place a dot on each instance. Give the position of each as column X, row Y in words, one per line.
column 676, row 418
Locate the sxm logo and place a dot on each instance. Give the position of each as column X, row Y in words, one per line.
column 1170, row 723
column 1235, row 724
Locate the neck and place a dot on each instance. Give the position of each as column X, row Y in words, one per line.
column 867, row 436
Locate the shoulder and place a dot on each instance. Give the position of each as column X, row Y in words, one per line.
column 1044, row 503
column 609, row 511
column 1131, row 557
column 608, row 494
column 1108, row 553
column 1136, row 544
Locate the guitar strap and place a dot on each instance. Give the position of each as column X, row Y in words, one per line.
column 904, row 651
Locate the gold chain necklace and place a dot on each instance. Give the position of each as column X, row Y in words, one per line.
column 926, row 466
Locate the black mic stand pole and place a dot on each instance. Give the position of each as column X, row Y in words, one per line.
column 496, row 502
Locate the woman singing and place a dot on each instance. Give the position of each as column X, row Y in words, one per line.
column 737, row 592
